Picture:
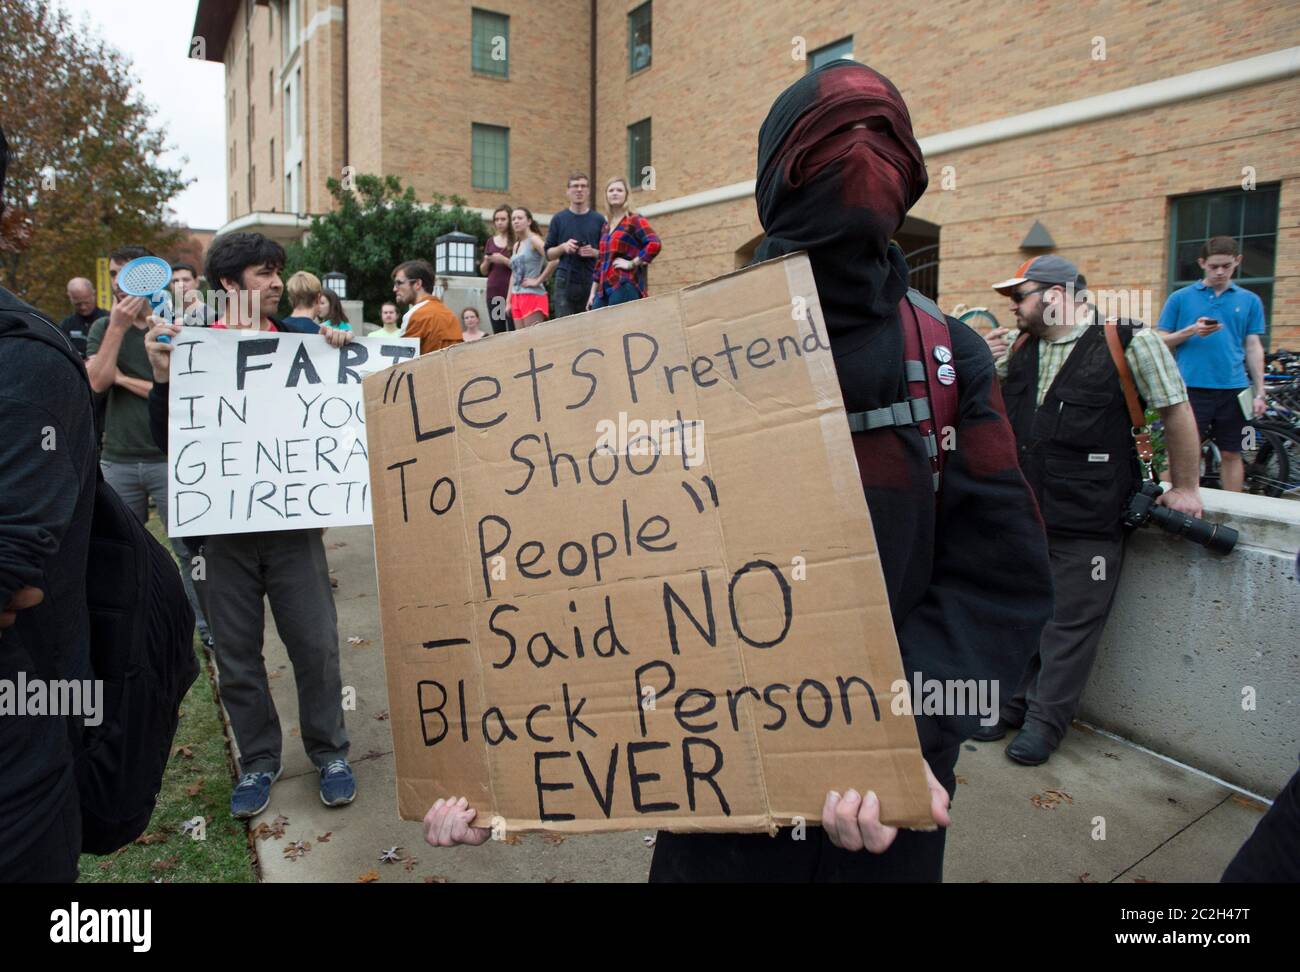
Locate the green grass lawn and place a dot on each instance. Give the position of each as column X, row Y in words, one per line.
column 197, row 783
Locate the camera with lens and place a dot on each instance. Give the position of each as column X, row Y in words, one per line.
column 1143, row 509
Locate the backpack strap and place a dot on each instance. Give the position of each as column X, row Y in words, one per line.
column 931, row 342
column 931, row 402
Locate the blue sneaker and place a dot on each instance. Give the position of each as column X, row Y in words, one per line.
column 338, row 787
column 252, row 795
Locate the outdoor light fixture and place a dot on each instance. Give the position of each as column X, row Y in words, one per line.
column 453, row 254
column 336, row 282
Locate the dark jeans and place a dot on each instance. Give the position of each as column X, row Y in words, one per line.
column 289, row 569
column 621, row 294
column 1050, row 689
column 570, row 296
column 914, row 857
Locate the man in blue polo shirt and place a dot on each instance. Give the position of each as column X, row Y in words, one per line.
column 1213, row 327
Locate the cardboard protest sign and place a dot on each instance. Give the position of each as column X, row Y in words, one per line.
column 266, row 430
column 627, row 576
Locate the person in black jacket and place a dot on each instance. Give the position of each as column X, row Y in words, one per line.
column 47, row 494
column 966, row 569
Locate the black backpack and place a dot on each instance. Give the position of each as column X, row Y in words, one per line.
column 141, row 646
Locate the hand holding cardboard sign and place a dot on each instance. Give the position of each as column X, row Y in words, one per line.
column 447, row 824
column 852, row 822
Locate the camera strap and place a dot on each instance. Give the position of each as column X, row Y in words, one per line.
column 1137, row 416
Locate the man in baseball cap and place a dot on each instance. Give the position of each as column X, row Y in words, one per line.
column 1073, row 431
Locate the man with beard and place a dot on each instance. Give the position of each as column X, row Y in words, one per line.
column 965, row 566
column 1068, row 410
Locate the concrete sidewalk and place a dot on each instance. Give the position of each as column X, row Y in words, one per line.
column 1010, row 823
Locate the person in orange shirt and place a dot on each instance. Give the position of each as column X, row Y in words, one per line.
column 428, row 319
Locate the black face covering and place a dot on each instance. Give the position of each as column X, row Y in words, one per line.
column 840, row 193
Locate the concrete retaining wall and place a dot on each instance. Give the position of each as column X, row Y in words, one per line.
column 1191, row 631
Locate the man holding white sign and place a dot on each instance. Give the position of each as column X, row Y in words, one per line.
column 266, row 448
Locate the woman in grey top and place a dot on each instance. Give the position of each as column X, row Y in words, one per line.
column 529, row 303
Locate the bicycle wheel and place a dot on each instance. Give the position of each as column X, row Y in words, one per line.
column 1268, row 464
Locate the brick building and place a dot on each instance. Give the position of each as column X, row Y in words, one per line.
column 1119, row 134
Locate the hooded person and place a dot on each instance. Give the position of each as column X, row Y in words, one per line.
column 966, row 569
column 45, row 516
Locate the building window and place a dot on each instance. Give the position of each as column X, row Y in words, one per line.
column 639, row 23
column 270, row 91
column 491, row 158
column 252, row 185
column 289, row 28
column 252, row 122
column 490, row 43
column 232, row 156
column 230, row 103
column 831, row 52
column 272, row 159
column 1249, row 216
column 638, row 153
column 290, row 203
column 252, row 64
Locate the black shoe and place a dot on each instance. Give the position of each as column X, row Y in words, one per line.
column 1030, row 749
column 990, row 733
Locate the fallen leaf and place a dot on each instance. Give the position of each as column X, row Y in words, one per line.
column 166, row 864
column 278, row 825
column 297, row 849
column 1248, row 803
column 1142, row 880
column 154, row 838
column 435, row 879
column 512, row 839
column 382, row 716
column 354, row 640
column 295, row 731
column 195, row 788
column 1086, row 878
column 369, row 877
column 410, row 863
column 260, row 832
column 1110, row 755
column 325, row 837
column 185, row 750
column 271, row 675
column 1050, row 799
column 961, row 779
column 553, row 838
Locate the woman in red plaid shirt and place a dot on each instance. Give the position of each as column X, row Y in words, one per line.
column 627, row 245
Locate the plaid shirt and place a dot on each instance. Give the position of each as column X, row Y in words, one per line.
column 632, row 237
column 1154, row 371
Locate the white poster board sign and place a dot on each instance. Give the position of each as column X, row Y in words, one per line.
column 267, row 431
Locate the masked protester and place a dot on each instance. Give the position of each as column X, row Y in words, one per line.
column 966, row 567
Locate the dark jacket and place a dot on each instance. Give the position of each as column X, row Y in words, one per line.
column 1076, row 449
column 967, row 571
column 47, row 492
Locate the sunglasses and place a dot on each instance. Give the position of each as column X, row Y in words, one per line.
column 1021, row 296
